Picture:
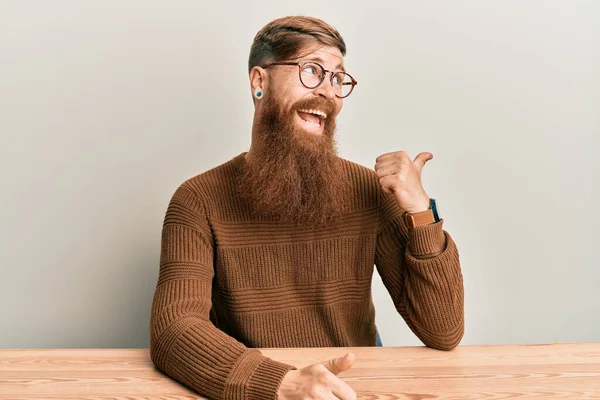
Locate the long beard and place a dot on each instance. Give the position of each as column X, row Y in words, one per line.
column 295, row 176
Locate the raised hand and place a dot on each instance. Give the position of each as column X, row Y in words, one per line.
column 399, row 175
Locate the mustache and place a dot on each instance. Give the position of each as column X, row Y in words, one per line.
column 318, row 103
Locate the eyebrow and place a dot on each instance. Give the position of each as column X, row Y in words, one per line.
column 339, row 67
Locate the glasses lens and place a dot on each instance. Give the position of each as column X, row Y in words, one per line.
column 311, row 75
column 342, row 83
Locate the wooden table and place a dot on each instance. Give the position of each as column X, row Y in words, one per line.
column 553, row 371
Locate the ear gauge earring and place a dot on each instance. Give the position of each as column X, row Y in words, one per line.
column 258, row 93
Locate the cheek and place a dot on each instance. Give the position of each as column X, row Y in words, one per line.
column 288, row 95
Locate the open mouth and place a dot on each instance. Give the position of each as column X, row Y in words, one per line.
column 312, row 119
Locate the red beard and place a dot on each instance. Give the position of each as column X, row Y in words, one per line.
column 294, row 175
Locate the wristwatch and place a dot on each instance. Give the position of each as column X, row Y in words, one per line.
column 425, row 217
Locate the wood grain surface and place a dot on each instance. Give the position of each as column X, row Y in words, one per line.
column 550, row 371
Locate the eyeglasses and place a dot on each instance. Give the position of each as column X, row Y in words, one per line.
column 312, row 74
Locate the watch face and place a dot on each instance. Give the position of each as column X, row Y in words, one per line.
column 435, row 209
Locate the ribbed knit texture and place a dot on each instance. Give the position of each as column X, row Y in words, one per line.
column 230, row 282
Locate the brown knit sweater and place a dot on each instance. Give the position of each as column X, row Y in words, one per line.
column 230, row 283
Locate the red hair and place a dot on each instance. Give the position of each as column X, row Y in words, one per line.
column 284, row 38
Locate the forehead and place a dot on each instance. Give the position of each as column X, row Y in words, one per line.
column 330, row 57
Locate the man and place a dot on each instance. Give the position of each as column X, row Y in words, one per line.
column 276, row 247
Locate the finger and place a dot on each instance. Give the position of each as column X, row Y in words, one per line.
column 388, row 184
column 421, row 159
column 325, row 394
column 340, row 364
column 342, row 390
column 401, row 157
column 389, row 169
column 330, row 396
column 393, row 154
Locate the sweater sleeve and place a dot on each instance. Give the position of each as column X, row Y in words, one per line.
column 184, row 344
column 420, row 268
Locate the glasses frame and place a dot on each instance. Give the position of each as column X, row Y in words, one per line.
column 301, row 64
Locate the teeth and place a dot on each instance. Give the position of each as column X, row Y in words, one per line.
column 316, row 112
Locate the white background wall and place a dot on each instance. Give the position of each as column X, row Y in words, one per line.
column 107, row 106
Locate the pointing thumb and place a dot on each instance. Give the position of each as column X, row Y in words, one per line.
column 421, row 159
column 340, row 364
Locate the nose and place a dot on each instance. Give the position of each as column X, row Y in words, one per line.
column 325, row 89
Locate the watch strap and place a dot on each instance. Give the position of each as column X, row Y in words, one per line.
column 420, row 218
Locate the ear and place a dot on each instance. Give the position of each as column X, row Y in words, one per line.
column 258, row 79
